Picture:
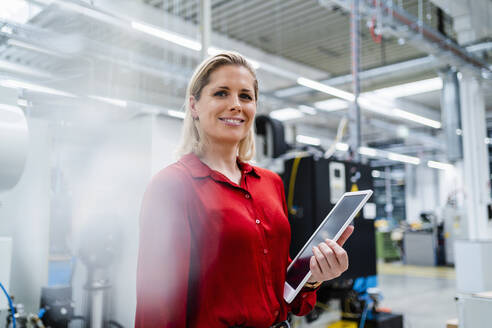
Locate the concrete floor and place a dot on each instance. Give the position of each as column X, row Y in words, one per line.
column 424, row 295
column 425, row 302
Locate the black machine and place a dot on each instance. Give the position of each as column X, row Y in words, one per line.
column 313, row 184
column 312, row 200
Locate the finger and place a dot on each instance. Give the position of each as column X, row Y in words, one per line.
column 345, row 235
column 340, row 254
column 329, row 256
column 314, row 267
column 320, row 258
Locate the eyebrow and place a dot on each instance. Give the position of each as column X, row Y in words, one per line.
column 227, row 88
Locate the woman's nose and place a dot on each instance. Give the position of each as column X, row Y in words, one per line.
column 235, row 103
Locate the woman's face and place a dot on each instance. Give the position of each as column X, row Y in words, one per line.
column 227, row 105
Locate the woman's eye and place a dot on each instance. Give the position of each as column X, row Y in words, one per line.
column 246, row 96
column 220, row 93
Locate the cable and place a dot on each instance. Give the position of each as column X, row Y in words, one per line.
column 292, row 183
column 340, row 133
column 11, row 304
column 364, row 315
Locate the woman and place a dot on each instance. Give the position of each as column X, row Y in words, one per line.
column 214, row 234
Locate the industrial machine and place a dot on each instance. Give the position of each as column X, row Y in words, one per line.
column 313, row 184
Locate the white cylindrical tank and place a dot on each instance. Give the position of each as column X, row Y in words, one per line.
column 14, row 139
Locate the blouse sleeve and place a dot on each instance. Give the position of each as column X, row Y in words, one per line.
column 164, row 254
column 304, row 302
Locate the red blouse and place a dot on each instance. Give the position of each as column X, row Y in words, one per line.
column 214, row 253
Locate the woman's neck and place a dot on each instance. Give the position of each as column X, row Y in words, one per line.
column 222, row 158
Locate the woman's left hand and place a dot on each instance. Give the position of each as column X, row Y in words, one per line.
column 330, row 260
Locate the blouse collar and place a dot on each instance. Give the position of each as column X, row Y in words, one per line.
column 198, row 169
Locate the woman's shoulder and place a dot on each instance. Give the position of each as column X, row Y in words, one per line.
column 173, row 175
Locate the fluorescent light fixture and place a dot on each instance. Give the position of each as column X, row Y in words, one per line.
column 371, row 152
column 307, row 110
column 10, row 108
column 33, row 87
column 403, row 158
column 176, row 113
column 341, row 146
column 412, row 88
column 332, row 105
column 374, row 104
column 111, row 101
column 487, row 141
column 22, row 102
column 168, row 36
column 439, row 165
column 416, row 118
column 28, row 46
column 286, row 114
column 308, row 140
column 325, row 88
column 18, row 11
column 376, row 173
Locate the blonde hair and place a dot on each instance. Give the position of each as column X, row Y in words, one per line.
column 192, row 140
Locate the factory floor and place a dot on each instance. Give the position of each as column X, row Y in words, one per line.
column 424, row 295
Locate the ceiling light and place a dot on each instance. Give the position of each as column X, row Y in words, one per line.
column 18, row 11
column 307, row 110
column 332, row 105
column 168, row 36
column 176, row 113
column 22, row 102
column 412, row 88
column 341, row 146
column 416, row 118
column 402, row 158
column 33, row 87
column 308, row 140
column 439, row 165
column 325, row 88
column 371, row 152
column 112, row 101
column 487, row 141
column 286, row 114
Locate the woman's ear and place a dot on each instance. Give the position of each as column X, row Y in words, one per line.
column 194, row 111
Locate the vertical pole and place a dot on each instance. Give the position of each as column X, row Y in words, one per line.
column 475, row 158
column 388, row 208
column 205, row 26
column 355, row 138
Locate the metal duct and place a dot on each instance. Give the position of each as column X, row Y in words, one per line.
column 14, row 136
column 451, row 114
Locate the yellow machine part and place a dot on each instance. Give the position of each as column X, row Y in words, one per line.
column 343, row 324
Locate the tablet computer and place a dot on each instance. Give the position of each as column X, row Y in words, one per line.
column 332, row 227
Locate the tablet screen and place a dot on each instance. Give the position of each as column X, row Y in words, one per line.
column 330, row 228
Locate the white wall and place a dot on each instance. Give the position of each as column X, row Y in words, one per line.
column 421, row 191
column 106, row 166
column 111, row 183
column 24, row 216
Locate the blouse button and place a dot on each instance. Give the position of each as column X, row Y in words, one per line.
column 247, row 196
column 304, row 295
column 265, row 251
column 258, row 221
column 276, row 313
